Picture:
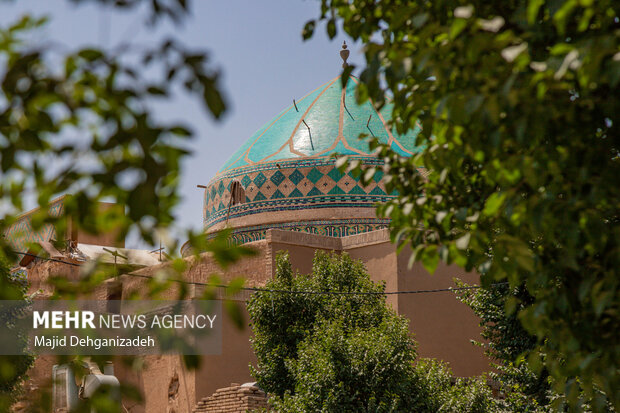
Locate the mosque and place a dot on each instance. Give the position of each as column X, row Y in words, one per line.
column 281, row 191
column 284, row 176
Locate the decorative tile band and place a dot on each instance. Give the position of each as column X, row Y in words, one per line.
column 332, row 228
column 291, row 186
column 293, row 163
column 289, row 205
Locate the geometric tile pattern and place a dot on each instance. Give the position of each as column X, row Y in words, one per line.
column 290, row 186
column 21, row 233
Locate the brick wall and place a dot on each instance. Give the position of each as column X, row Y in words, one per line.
column 233, row 399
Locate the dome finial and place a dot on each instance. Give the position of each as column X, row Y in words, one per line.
column 344, row 53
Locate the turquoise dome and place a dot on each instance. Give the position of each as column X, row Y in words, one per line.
column 284, row 175
column 333, row 126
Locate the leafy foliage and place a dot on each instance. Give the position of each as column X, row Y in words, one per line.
column 439, row 391
column 281, row 322
column 346, row 353
column 84, row 127
column 518, row 103
column 13, row 368
column 79, row 122
column 507, row 342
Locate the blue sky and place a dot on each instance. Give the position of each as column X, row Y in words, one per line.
column 256, row 44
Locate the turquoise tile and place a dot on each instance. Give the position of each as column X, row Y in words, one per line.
column 321, row 111
column 277, row 195
column 246, row 181
column 259, row 180
column 296, row 194
column 335, row 174
column 361, row 120
column 277, row 178
column 378, row 175
column 322, row 121
column 314, row 191
column 296, row 177
column 398, row 150
column 357, row 190
column 377, row 191
column 314, row 175
column 340, row 149
column 280, row 131
column 336, row 191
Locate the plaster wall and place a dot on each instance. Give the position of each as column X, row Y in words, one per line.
column 443, row 326
column 168, row 386
column 164, row 381
column 381, row 263
column 232, row 366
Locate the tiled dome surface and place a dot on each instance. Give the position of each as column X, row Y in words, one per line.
column 334, row 127
column 286, row 167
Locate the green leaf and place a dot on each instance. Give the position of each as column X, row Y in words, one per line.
column 331, row 28
column 235, row 286
column 214, row 100
column 494, row 203
column 233, row 309
column 532, row 10
column 458, row 25
column 155, row 90
column 341, row 162
column 180, row 131
column 308, row 30
column 346, row 73
column 191, row 361
column 430, row 258
column 517, row 250
column 90, row 54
